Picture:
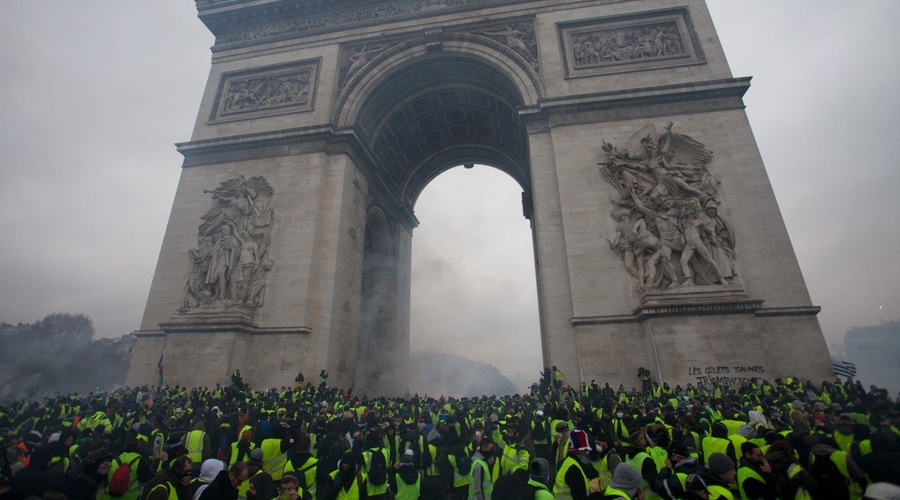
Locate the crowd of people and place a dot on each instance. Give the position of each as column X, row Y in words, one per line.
column 784, row 438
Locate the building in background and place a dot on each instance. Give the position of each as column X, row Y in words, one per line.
column 875, row 350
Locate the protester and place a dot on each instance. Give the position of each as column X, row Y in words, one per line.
column 782, row 438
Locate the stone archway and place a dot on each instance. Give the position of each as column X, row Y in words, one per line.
column 323, row 121
column 428, row 114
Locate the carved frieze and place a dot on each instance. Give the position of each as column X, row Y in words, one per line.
column 516, row 38
column 669, row 231
column 266, row 91
column 367, row 14
column 230, row 264
column 633, row 42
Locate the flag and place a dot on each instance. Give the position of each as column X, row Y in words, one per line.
column 843, row 368
column 159, row 378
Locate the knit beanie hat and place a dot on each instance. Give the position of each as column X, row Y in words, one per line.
column 539, row 469
column 720, row 462
column 626, row 478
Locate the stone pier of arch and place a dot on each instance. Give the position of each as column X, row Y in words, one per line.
column 288, row 246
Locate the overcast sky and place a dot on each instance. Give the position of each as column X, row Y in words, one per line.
column 95, row 94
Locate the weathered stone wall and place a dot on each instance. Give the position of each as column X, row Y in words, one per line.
column 290, row 105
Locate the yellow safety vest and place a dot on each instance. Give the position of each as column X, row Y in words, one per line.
column 459, row 480
column 411, row 491
column 716, row 492
column 193, row 442
column 373, row 489
column 170, row 489
column 792, row 472
column 560, row 488
column 487, row 482
column 134, row 486
column 308, row 469
column 743, row 474
column 274, row 459
column 353, row 492
column 613, row 492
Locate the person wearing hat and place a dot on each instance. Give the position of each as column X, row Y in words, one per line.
column 719, row 473
column 514, row 455
column 694, row 488
column 560, row 442
column 408, row 481
column 540, row 435
column 347, row 482
column 303, row 466
column 626, row 483
column 289, row 488
column 208, row 471
column 671, row 482
column 576, row 477
column 226, row 483
column 538, row 476
column 638, row 455
column 91, row 475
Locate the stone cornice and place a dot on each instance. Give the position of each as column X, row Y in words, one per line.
column 788, row 311
column 242, row 23
column 148, row 333
column 225, row 322
column 715, row 95
column 292, row 142
column 692, row 301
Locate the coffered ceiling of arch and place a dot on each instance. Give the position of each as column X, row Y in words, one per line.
column 440, row 113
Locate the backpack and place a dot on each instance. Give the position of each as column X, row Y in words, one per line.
column 376, row 468
column 539, row 433
column 413, row 445
column 300, row 472
column 331, row 448
column 442, row 460
column 463, row 462
column 121, row 478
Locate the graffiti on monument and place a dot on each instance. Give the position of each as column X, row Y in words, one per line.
column 726, row 375
column 230, row 264
column 668, row 228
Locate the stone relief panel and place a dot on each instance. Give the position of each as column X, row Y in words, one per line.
column 634, row 42
column 266, row 91
column 668, row 228
column 230, row 264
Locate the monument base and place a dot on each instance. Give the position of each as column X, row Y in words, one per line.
column 697, row 335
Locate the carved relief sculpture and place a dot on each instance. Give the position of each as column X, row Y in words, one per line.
column 630, row 42
column 229, row 267
column 267, row 92
column 626, row 44
column 519, row 37
column 668, row 229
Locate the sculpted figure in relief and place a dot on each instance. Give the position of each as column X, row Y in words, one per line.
column 230, row 264
column 668, row 228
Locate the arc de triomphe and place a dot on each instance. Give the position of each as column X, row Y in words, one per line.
column 658, row 240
